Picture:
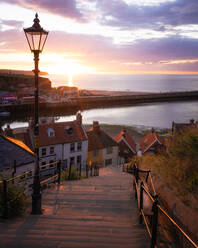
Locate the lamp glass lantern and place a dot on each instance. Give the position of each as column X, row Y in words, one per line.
column 36, row 36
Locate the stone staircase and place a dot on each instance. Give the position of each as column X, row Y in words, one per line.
column 99, row 212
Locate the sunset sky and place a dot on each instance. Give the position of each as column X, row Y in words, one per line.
column 103, row 36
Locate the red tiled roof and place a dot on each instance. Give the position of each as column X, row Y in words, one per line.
column 60, row 136
column 129, row 141
column 150, row 139
column 99, row 140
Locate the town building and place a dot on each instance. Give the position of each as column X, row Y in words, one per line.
column 127, row 146
column 65, row 141
column 102, row 149
column 15, row 154
column 152, row 143
column 178, row 128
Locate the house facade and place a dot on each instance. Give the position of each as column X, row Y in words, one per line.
column 152, row 143
column 127, row 146
column 102, row 149
column 65, row 141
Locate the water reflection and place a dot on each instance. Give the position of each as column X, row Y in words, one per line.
column 150, row 115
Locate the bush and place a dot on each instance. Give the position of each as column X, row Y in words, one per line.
column 180, row 164
column 17, row 200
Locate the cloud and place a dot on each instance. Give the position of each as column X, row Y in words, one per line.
column 65, row 8
column 173, row 13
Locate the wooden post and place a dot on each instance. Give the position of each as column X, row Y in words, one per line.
column 14, row 172
column 80, row 170
column 91, row 170
column 87, row 171
column 70, row 167
column 59, row 171
column 141, row 202
column 154, row 223
column 5, row 199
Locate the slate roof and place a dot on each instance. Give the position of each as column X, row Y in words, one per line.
column 148, row 140
column 60, row 137
column 12, row 149
column 99, row 140
column 129, row 141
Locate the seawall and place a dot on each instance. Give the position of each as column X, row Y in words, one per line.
column 88, row 102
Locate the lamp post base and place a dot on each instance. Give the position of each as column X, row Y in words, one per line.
column 36, row 204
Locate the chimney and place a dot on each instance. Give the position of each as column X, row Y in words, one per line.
column 152, row 130
column 192, row 121
column 9, row 131
column 124, row 133
column 96, row 126
column 79, row 118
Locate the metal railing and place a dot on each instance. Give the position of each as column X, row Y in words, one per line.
column 49, row 173
column 151, row 219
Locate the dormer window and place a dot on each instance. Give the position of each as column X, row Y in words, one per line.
column 69, row 131
column 51, row 132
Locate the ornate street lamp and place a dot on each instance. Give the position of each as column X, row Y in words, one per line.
column 36, row 37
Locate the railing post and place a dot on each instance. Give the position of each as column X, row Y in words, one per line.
column 14, row 172
column 91, row 170
column 98, row 169
column 141, row 202
column 87, row 171
column 69, row 176
column 80, row 170
column 5, row 199
column 59, row 171
column 154, row 223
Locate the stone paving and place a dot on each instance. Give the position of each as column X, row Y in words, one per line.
column 99, row 212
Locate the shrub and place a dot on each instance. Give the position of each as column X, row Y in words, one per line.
column 17, row 200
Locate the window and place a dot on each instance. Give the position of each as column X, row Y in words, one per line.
column 109, row 150
column 43, row 151
column 72, row 147
column 51, row 150
column 108, row 161
column 79, row 159
column 95, row 153
column 79, row 146
column 64, row 163
column 51, row 132
column 72, row 160
column 69, row 131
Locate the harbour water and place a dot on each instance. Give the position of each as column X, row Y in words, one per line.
column 159, row 115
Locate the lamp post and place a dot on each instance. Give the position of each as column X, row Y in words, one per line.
column 36, row 38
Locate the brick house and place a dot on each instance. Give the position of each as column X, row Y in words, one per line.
column 151, row 143
column 127, row 146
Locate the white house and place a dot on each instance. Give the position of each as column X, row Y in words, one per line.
column 65, row 141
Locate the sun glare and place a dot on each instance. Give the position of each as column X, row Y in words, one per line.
column 70, row 83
